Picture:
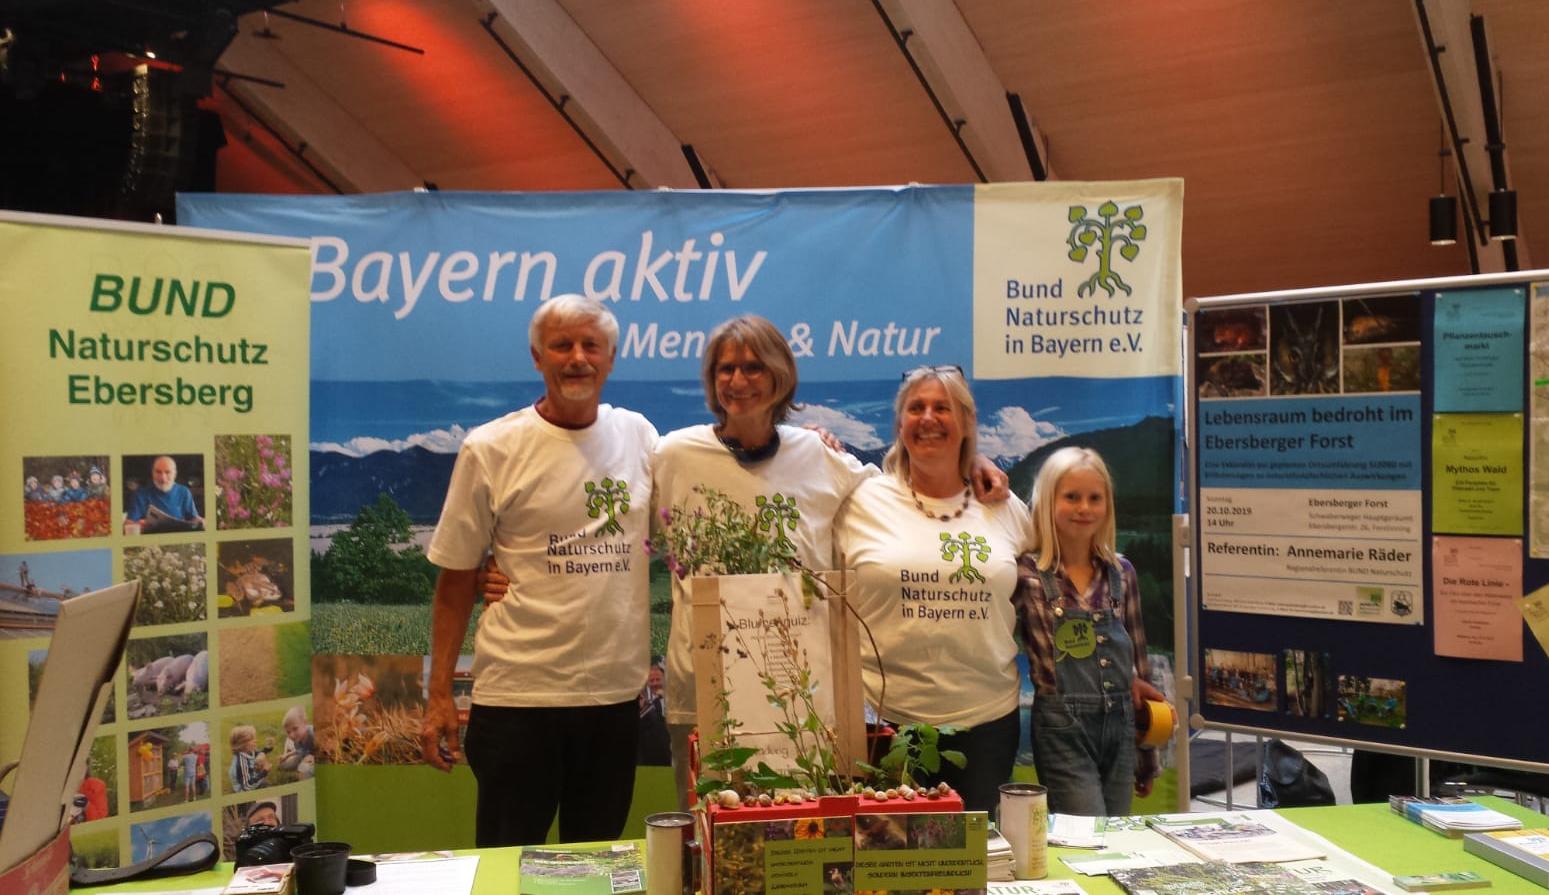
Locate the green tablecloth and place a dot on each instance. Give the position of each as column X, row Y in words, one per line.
column 1370, row 832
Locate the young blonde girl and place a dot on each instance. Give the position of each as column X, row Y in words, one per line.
column 1079, row 606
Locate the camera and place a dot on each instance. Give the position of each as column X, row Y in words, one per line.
column 266, row 844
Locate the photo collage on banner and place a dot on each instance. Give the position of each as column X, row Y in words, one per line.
column 865, row 284
column 155, row 388
column 1309, row 489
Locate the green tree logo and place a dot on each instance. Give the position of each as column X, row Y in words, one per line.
column 777, row 515
column 611, row 496
column 965, row 548
column 1105, row 233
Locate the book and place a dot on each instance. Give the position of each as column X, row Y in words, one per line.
column 1450, row 816
column 1523, row 852
column 999, row 862
column 1104, row 863
column 1071, row 831
column 1212, row 878
column 1440, row 882
column 1233, row 840
column 1035, row 887
column 582, row 870
column 261, row 879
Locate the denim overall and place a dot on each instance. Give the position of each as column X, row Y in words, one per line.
column 1084, row 732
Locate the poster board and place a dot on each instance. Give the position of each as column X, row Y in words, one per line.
column 154, row 386
column 1361, row 496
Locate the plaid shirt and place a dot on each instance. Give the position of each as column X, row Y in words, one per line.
column 1037, row 618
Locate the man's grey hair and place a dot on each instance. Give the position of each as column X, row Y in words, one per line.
column 571, row 308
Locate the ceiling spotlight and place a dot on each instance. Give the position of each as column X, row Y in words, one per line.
column 1444, row 208
column 1444, row 220
column 1503, row 214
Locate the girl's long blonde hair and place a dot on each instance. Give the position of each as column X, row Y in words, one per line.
column 1046, row 542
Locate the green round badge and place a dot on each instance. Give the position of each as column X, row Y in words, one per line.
column 1075, row 637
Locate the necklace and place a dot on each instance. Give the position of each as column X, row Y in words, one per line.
column 744, row 455
column 968, row 493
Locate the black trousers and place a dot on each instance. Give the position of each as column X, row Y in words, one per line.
column 991, row 750
column 530, row 762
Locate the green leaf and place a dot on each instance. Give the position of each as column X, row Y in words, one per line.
column 766, row 778
column 1077, row 212
column 1078, row 254
column 1087, row 237
column 930, row 759
column 926, row 734
column 707, row 785
column 1134, row 212
column 1108, row 209
column 1138, row 232
column 727, row 759
column 1129, row 250
column 956, row 758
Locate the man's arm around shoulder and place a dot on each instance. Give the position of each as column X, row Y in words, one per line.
column 452, row 606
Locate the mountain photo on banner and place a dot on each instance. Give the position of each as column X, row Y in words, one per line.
column 382, row 455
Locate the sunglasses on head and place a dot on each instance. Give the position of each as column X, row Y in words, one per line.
column 933, row 368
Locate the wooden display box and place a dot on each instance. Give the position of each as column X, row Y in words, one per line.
column 807, row 847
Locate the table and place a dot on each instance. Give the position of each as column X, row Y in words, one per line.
column 1370, row 832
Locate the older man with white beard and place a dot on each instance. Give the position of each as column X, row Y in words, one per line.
column 560, row 492
column 167, row 504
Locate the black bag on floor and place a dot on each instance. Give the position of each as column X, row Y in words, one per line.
column 1288, row 780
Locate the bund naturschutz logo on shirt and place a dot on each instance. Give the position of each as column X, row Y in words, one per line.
column 593, row 552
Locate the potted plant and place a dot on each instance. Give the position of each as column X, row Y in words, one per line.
column 776, row 662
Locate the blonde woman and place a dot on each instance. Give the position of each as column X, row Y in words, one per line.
column 1086, row 642
column 936, row 568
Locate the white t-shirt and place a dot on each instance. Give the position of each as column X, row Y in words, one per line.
column 937, row 597
column 803, row 470
column 566, row 512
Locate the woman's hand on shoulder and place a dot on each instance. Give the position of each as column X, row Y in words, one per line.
column 829, row 439
column 990, row 483
column 492, row 583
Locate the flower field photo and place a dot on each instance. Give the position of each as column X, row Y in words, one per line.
column 253, row 481
column 172, row 583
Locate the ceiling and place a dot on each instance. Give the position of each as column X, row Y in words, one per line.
column 1306, row 131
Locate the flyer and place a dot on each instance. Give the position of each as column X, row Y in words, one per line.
column 1476, row 474
column 1475, row 585
column 1535, row 611
column 1479, row 350
column 1311, row 507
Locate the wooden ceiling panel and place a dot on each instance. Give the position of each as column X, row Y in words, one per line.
column 1306, row 133
column 788, row 94
column 461, row 115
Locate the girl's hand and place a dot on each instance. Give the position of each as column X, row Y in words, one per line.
column 1142, row 690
